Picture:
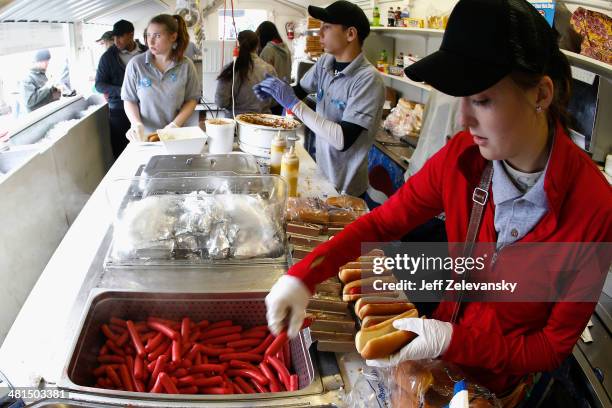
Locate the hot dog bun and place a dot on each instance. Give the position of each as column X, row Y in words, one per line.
column 341, row 215
column 382, row 340
column 358, row 265
column 386, row 345
column 366, row 300
column 351, row 275
column 378, row 309
column 364, row 287
column 369, row 257
column 372, row 320
column 345, row 201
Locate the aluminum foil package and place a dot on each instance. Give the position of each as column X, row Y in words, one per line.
column 257, row 234
column 146, row 228
column 220, row 241
column 199, row 226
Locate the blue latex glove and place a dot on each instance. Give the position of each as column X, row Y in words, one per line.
column 277, row 89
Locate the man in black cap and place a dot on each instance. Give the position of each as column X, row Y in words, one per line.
column 35, row 88
column 350, row 95
column 109, row 79
column 106, row 40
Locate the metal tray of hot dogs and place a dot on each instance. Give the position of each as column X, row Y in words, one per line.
column 243, row 309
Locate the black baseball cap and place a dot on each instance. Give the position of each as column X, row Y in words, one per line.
column 107, row 36
column 345, row 13
column 484, row 41
column 122, row 27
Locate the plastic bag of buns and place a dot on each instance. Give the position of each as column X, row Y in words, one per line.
column 431, row 383
column 307, row 209
column 335, row 211
column 345, row 209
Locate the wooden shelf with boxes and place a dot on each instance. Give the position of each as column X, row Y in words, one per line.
column 313, row 46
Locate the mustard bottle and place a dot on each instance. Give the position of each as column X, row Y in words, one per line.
column 279, row 144
column 290, row 166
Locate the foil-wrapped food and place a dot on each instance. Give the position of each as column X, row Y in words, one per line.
column 198, row 226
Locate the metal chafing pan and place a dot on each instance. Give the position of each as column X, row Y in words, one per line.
column 189, row 165
column 246, row 309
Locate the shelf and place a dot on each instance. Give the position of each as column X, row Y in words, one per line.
column 409, row 30
column 590, row 64
column 421, row 85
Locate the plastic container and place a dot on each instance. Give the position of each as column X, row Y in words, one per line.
column 191, row 221
column 186, row 140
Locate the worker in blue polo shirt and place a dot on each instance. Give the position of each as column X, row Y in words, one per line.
column 350, row 95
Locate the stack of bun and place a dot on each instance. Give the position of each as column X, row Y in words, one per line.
column 312, row 221
column 376, row 310
column 312, row 23
column 382, row 339
column 358, row 278
column 314, row 48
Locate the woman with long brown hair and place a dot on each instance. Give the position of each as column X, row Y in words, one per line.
column 235, row 82
column 161, row 87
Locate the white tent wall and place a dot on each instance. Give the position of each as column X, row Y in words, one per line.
column 20, row 37
column 278, row 12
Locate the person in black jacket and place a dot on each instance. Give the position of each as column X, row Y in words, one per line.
column 109, row 79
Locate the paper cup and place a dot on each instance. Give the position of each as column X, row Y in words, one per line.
column 220, row 135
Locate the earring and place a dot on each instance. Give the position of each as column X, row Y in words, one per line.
column 538, row 108
column 174, row 45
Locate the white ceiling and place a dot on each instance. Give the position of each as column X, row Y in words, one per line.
column 96, row 11
column 69, row 11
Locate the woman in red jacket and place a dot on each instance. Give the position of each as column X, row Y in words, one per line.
column 502, row 59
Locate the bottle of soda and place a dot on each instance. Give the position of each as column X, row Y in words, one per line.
column 383, row 56
column 375, row 17
column 399, row 60
column 390, row 17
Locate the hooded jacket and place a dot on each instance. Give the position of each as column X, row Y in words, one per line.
column 279, row 56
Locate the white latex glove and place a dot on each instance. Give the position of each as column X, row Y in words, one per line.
column 433, row 339
column 286, row 305
column 136, row 133
column 171, row 125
